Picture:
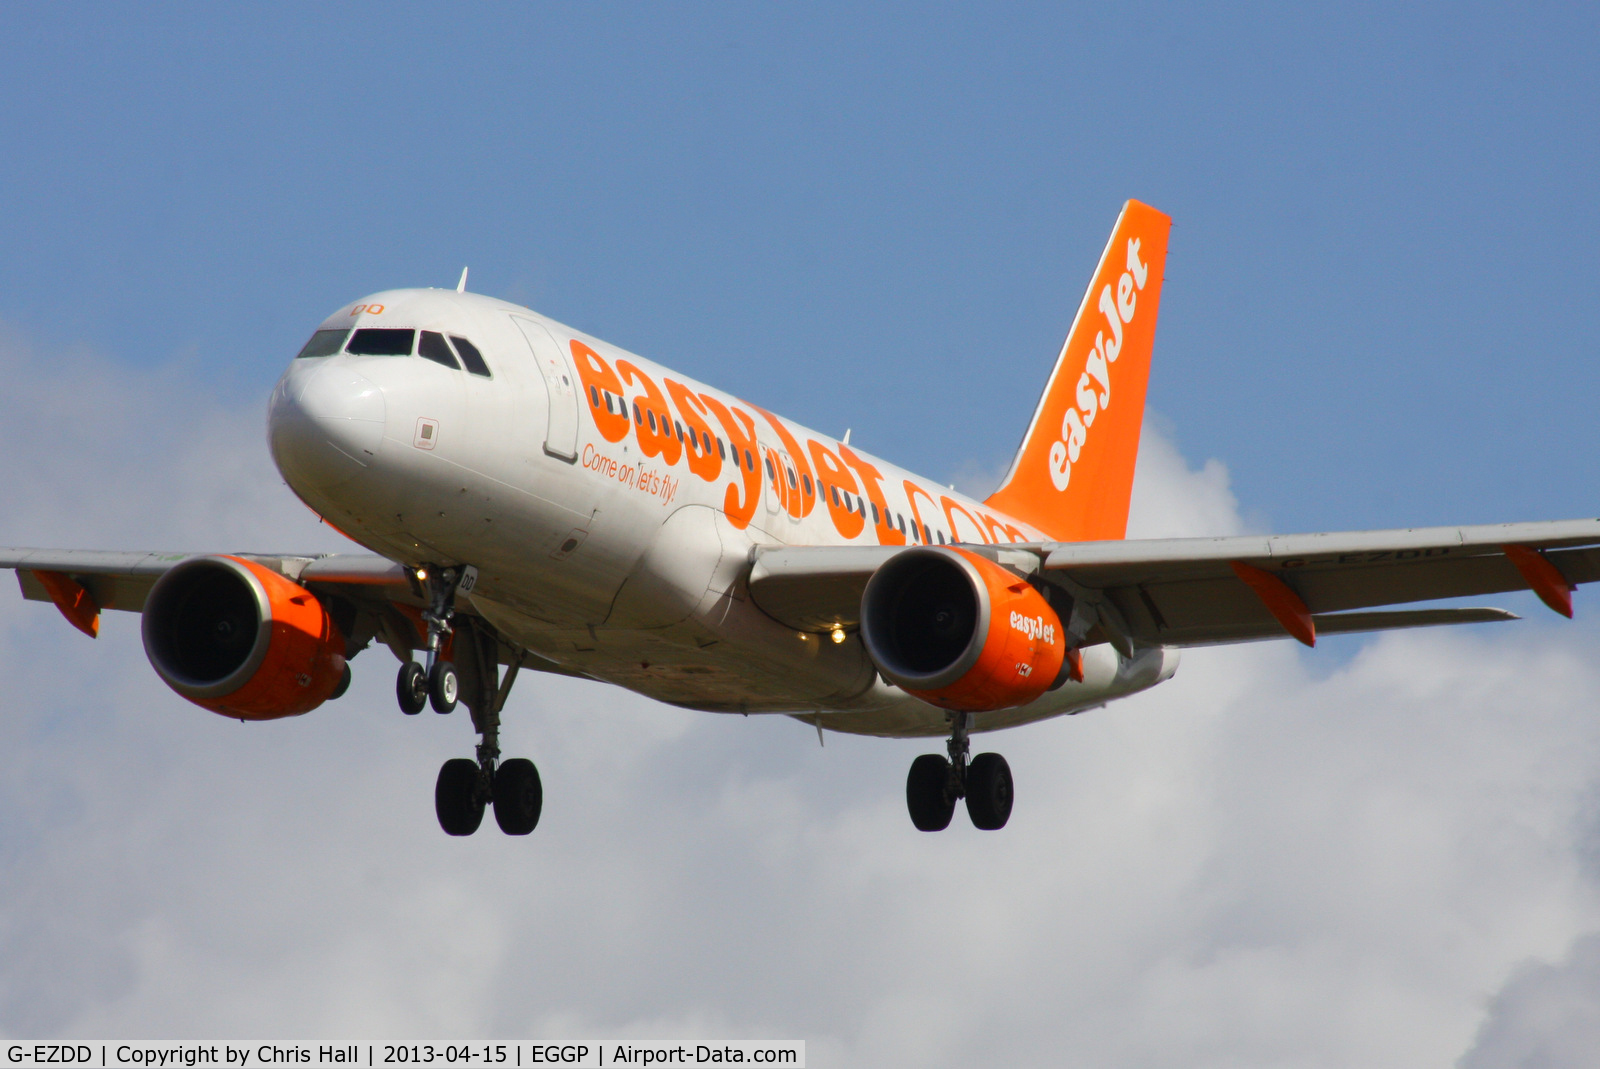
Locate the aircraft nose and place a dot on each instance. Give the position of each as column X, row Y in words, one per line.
column 325, row 424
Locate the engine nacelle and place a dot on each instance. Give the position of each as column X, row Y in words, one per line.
column 959, row 631
column 241, row 640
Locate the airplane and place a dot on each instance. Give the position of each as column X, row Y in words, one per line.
column 536, row 498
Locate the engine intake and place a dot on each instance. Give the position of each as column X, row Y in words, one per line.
column 959, row 631
column 241, row 640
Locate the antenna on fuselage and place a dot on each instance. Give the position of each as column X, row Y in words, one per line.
column 461, row 287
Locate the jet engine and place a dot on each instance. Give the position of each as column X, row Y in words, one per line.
column 241, row 640
column 959, row 631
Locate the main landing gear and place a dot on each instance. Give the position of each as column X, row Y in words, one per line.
column 466, row 786
column 935, row 783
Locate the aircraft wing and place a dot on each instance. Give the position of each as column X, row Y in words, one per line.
column 1201, row 591
column 122, row 580
column 369, row 596
column 376, row 597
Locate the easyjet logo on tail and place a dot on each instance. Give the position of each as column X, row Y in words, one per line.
column 1073, row 475
column 1094, row 385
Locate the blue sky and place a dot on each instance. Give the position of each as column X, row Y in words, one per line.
column 1379, row 311
column 1379, row 301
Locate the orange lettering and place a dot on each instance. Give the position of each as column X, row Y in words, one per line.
column 832, row 478
column 950, row 510
column 803, row 500
column 888, row 535
column 912, row 490
column 742, row 442
column 704, row 460
column 654, row 434
column 599, row 380
column 1002, row 531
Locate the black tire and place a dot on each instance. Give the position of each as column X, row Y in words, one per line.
column 455, row 797
column 444, row 687
column 518, row 796
column 928, row 794
column 344, row 685
column 989, row 792
column 411, row 688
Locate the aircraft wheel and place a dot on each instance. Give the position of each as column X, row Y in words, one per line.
column 444, row 687
column 411, row 688
column 928, row 795
column 989, row 791
column 455, row 797
column 344, row 685
column 518, row 796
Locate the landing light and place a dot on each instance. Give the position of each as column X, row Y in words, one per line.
column 838, row 635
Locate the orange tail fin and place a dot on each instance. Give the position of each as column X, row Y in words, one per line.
column 1073, row 476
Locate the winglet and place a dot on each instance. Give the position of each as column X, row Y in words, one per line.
column 1073, row 476
column 1543, row 578
column 1283, row 603
column 73, row 600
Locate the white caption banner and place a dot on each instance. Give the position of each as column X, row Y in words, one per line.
column 572, row 1054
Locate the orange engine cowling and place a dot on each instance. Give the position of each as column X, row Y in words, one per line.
column 241, row 640
column 959, row 631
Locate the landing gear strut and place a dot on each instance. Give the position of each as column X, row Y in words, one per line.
column 935, row 783
column 435, row 682
column 465, row 787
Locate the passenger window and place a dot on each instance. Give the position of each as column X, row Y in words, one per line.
column 874, row 513
column 381, row 341
column 807, row 480
column 790, row 472
column 638, row 417
column 722, row 450
column 679, row 426
column 652, row 416
column 834, row 490
column 770, row 473
column 471, row 357
column 324, row 343
column 941, row 537
column 434, row 348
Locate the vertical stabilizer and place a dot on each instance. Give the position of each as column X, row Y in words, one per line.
column 1073, row 476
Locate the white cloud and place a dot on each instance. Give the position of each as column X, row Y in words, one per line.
column 1548, row 1015
column 1266, row 861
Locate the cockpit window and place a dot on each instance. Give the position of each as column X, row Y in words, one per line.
column 324, row 343
column 471, row 357
column 381, row 341
column 435, row 348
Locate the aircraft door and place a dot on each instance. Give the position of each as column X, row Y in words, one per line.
column 561, row 430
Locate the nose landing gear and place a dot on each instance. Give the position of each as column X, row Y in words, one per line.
column 436, row 682
column 935, row 783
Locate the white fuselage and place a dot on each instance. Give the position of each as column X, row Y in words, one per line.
column 604, row 540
